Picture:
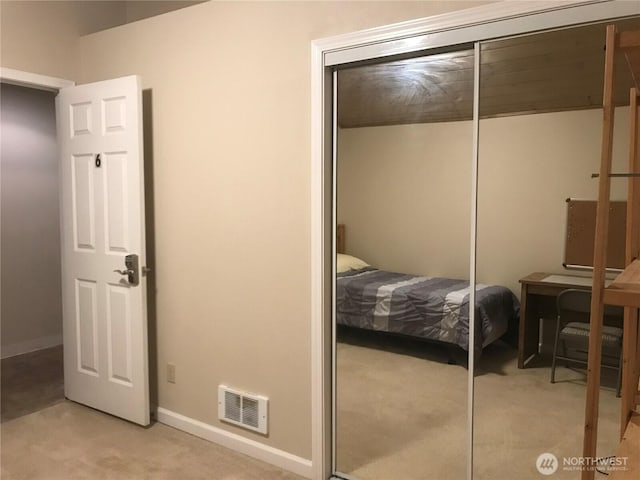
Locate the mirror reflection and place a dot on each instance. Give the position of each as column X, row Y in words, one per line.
column 403, row 210
column 540, row 141
column 403, row 162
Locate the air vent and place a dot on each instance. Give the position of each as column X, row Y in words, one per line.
column 242, row 408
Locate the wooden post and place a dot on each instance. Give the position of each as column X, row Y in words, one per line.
column 633, row 189
column 630, row 339
column 599, row 260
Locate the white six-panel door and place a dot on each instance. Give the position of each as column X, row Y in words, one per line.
column 102, row 205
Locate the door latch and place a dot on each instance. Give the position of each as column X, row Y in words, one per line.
column 132, row 271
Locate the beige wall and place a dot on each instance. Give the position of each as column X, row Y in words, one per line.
column 231, row 125
column 404, row 195
column 42, row 36
column 95, row 15
column 403, row 192
column 138, row 10
column 529, row 166
column 31, row 313
column 39, row 37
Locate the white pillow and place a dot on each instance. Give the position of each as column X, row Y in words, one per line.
column 347, row 262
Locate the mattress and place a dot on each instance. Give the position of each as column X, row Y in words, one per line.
column 431, row 308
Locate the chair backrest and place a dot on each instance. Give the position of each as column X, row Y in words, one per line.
column 579, row 301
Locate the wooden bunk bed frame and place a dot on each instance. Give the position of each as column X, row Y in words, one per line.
column 625, row 289
column 340, row 238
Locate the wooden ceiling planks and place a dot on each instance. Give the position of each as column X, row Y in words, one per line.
column 551, row 71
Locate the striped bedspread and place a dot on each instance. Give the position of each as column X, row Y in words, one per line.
column 426, row 307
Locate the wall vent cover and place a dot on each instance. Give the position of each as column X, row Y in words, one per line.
column 243, row 409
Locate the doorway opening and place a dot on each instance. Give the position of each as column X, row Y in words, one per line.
column 31, row 311
column 97, row 190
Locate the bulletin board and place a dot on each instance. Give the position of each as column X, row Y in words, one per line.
column 580, row 234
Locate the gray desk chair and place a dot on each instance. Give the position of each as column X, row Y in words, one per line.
column 572, row 331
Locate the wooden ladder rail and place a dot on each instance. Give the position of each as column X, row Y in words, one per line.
column 599, row 260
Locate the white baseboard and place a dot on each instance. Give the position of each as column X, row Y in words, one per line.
column 30, row 346
column 279, row 458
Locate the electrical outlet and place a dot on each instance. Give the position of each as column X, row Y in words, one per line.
column 171, row 373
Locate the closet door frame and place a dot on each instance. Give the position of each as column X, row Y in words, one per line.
column 474, row 25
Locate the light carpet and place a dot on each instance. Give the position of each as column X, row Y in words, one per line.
column 71, row 442
column 402, row 413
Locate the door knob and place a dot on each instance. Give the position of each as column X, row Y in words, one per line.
column 132, row 270
column 124, row 272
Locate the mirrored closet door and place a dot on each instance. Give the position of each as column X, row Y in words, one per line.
column 403, row 203
column 470, row 165
column 540, row 141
